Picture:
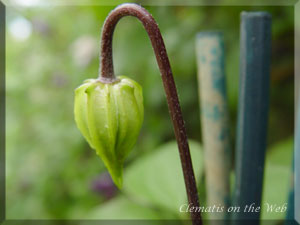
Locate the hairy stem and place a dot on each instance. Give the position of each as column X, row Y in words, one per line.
column 107, row 75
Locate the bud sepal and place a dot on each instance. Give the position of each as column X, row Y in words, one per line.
column 110, row 116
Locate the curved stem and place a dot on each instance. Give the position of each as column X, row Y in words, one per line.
column 107, row 75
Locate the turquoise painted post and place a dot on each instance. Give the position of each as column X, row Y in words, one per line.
column 255, row 46
column 290, row 215
column 297, row 164
column 215, row 121
column 294, row 195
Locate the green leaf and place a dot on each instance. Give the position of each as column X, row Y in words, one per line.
column 122, row 208
column 153, row 187
column 281, row 153
column 277, row 178
column 157, row 178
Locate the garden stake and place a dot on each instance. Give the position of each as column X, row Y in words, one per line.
column 290, row 214
column 255, row 44
column 294, row 198
column 297, row 160
column 107, row 75
column 215, row 121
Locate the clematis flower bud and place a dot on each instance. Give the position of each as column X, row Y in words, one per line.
column 110, row 116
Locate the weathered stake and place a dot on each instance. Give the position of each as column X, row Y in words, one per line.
column 255, row 44
column 215, row 121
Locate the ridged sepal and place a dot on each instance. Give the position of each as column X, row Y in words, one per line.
column 110, row 116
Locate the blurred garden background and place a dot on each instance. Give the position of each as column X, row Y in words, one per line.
column 51, row 172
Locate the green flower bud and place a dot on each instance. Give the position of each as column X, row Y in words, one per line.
column 110, row 116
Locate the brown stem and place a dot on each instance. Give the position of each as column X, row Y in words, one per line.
column 107, row 75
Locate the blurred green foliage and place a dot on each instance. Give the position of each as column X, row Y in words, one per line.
column 51, row 172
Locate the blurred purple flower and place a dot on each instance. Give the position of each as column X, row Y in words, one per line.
column 41, row 26
column 104, row 185
column 59, row 79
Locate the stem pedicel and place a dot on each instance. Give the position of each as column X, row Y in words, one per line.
column 106, row 75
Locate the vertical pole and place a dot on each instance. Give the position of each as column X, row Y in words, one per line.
column 215, row 121
column 2, row 111
column 255, row 44
column 296, row 196
column 290, row 215
column 297, row 120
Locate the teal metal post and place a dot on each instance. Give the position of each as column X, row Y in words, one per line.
column 255, row 46
column 297, row 163
column 290, row 215
column 294, row 196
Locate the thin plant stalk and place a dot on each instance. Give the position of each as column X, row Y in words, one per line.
column 106, row 74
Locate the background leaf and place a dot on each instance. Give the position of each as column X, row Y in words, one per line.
column 153, row 184
column 277, row 178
